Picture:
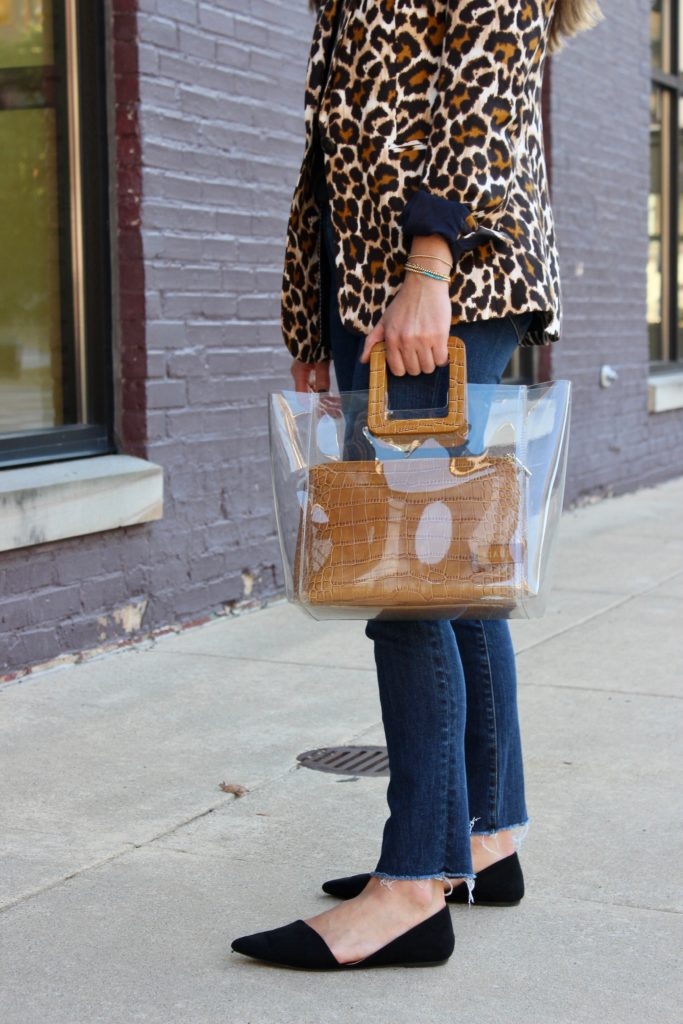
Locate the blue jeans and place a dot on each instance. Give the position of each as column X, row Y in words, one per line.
column 448, row 690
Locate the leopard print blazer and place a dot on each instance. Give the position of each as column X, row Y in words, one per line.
column 443, row 95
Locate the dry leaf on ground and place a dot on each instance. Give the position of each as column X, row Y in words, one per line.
column 234, row 788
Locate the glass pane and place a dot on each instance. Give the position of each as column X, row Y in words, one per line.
column 31, row 371
column 26, row 33
column 655, row 220
column 655, row 32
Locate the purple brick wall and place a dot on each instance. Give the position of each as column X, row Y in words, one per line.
column 600, row 158
column 222, row 129
column 220, row 118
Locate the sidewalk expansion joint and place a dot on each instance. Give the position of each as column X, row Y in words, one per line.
column 599, row 689
column 66, row 878
column 133, row 847
column 596, row 615
column 622, row 906
column 268, row 661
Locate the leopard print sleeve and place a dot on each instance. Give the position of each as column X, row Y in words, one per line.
column 489, row 50
column 429, row 107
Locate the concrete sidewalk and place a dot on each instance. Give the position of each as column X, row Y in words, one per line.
column 126, row 871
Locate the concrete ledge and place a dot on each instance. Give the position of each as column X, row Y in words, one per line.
column 69, row 499
column 665, row 391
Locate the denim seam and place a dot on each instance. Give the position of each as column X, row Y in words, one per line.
column 451, row 794
column 450, row 789
column 492, row 806
column 446, row 740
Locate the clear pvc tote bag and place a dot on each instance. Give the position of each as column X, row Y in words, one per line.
column 440, row 513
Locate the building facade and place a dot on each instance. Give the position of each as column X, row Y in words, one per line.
column 150, row 149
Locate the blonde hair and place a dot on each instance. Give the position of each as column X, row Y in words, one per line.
column 569, row 17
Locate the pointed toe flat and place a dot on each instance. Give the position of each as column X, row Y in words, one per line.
column 499, row 885
column 299, row 946
column 293, row 945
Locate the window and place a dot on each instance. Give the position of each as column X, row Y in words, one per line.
column 665, row 209
column 55, row 372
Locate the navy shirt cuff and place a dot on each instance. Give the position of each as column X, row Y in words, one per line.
column 427, row 214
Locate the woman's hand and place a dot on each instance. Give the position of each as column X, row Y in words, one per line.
column 311, row 376
column 417, row 322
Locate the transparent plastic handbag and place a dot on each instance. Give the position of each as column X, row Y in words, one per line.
column 429, row 514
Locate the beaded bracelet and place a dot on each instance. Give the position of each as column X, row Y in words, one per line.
column 417, row 269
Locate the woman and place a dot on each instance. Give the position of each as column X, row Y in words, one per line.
column 422, row 208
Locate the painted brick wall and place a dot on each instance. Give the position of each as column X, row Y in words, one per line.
column 61, row 598
column 600, row 157
column 222, row 129
column 209, row 95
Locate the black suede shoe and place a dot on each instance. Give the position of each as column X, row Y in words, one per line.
column 499, row 885
column 299, row 946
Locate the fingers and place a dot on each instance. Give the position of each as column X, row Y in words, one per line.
column 375, row 335
column 321, row 376
column 412, row 360
column 427, row 361
column 405, row 359
column 413, row 357
column 395, row 361
column 407, row 354
column 440, row 353
column 301, row 373
column 311, row 376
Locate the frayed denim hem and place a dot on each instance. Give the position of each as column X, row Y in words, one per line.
column 441, row 877
column 501, row 828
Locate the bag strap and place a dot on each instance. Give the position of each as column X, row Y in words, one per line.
column 454, row 423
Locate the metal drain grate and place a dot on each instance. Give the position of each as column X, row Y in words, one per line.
column 371, row 761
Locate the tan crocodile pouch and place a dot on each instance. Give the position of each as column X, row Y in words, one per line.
column 433, row 536
column 425, row 536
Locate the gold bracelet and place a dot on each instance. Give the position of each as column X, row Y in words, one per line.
column 426, row 256
column 417, row 269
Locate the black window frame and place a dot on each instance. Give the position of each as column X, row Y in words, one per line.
column 667, row 85
column 92, row 433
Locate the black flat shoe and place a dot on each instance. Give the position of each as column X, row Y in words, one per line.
column 499, row 885
column 298, row 945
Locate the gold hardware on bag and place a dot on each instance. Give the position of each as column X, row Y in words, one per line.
column 466, row 465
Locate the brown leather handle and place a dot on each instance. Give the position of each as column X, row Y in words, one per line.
column 454, row 423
